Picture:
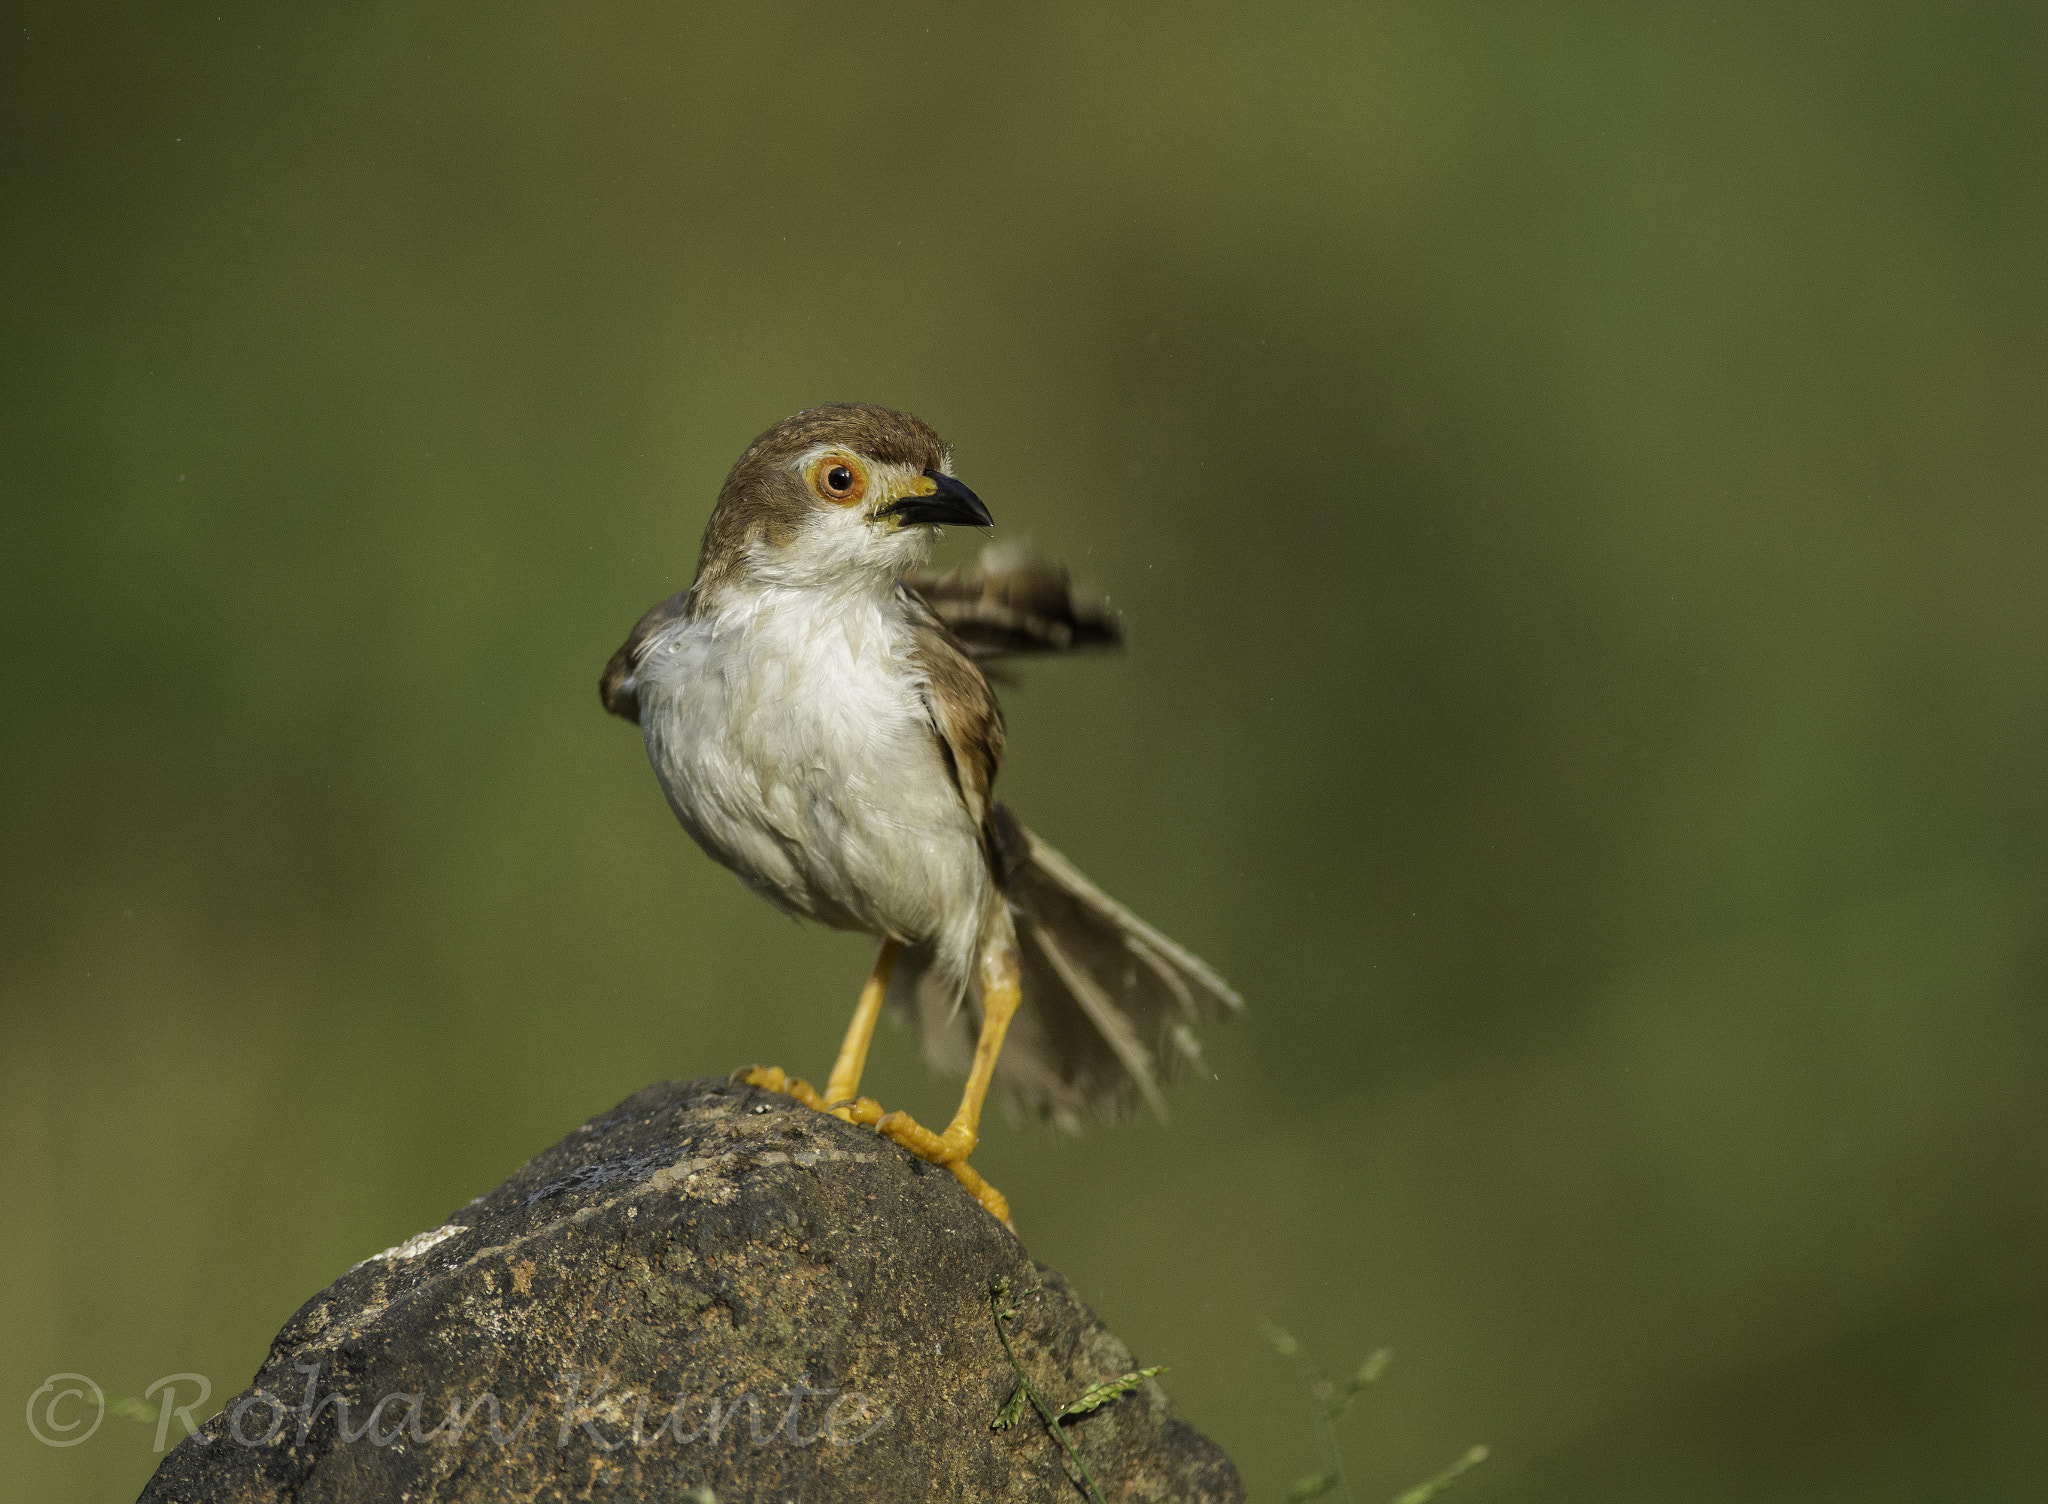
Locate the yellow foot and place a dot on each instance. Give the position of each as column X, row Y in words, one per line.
column 772, row 1078
column 950, row 1148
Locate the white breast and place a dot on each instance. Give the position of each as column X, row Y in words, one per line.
column 790, row 734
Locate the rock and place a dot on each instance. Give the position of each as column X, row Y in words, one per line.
column 708, row 1286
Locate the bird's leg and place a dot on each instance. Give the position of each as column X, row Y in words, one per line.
column 842, row 1088
column 1000, row 994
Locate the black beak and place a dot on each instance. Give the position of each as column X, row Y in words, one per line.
column 950, row 505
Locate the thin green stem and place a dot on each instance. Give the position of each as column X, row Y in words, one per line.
column 1326, row 1433
column 998, row 1293
column 1328, row 1407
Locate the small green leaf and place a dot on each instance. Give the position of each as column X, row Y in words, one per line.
column 1311, row 1488
column 1095, row 1396
column 1422, row 1493
column 1012, row 1412
column 1283, row 1341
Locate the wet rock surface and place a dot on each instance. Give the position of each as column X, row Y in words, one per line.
column 707, row 1286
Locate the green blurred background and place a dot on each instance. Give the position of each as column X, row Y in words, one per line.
column 1574, row 479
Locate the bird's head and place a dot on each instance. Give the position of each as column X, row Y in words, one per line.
column 835, row 495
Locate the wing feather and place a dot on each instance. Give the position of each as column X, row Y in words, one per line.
column 1014, row 602
column 964, row 712
column 616, row 686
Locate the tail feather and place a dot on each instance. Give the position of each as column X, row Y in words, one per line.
column 1110, row 1004
column 1115, row 1027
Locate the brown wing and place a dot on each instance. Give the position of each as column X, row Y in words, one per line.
column 1015, row 602
column 964, row 711
column 616, row 687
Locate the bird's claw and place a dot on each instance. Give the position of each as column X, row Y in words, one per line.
column 774, row 1078
column 949, row 1149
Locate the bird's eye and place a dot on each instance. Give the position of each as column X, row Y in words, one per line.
column 838, row 480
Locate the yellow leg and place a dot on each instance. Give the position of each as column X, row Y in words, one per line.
column 1000, row 994
column 843, row 1085
column 840, row 1088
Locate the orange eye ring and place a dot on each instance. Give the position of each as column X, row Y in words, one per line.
column 840, row 479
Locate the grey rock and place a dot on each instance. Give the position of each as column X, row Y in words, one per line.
column 708, row 1286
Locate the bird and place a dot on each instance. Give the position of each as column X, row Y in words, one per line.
column 817, row 713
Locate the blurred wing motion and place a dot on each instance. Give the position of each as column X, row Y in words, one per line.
column 1110, row 1004
column 1012, row 601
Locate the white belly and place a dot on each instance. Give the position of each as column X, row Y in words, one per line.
column 796, row 749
